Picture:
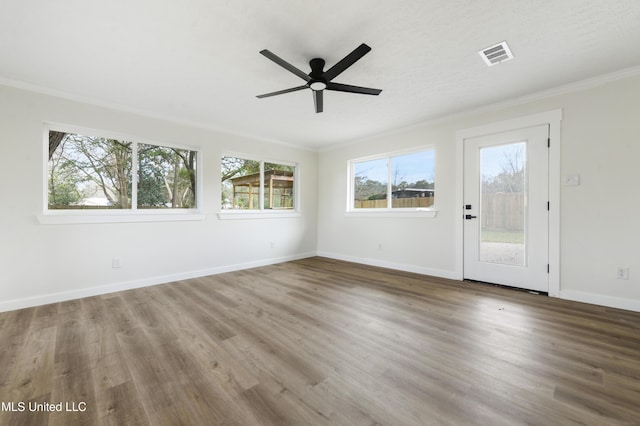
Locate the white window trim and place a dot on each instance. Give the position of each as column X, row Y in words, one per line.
column 257, row 214
column 262, row 213
column 386, row 213
column 428, row 212
column 67, row 217
column 61, row 216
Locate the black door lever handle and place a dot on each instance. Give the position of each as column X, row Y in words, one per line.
column 468, row 216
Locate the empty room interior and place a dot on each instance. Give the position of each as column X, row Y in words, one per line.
column 320, row 213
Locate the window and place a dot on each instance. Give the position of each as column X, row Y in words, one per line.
column 97, row 173
column 257, row 185
column 166, row 177
column 394, row 181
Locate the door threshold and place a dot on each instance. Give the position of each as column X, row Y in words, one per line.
column 508, row 287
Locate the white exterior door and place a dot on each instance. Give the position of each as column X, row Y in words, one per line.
column 506, row 226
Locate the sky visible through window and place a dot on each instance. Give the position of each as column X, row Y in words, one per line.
column 494, row 159
column 409, row 167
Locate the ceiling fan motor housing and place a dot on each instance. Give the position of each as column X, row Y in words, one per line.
column 317, row 69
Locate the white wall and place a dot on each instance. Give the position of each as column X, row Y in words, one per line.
column 45, row 263
column 599, row 229
column 423, row 245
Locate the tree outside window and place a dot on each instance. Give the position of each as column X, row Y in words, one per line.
column 92, row 172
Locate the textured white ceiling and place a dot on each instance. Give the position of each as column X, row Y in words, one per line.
column 197, row 60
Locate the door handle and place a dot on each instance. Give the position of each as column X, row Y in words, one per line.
column 468, row 216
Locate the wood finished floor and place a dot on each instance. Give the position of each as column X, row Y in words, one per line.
column 319, row 342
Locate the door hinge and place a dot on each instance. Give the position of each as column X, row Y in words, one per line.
column 548, row 142
column 547, row 268
column 547, row 206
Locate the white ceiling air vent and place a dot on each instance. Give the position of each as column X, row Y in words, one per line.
column 495, row 54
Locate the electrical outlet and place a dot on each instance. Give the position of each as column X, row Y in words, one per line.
column 116, row 262
column 622, row 273
column 380, row 246
column 272, row 244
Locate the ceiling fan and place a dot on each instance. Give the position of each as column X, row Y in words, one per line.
column 318, row 80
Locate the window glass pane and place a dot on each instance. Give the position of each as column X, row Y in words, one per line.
column 166, row 177
column 370, row 180
column 412, row 178
column 88, row 172
column 278, row 186
column 503, row 204
column 240, row 184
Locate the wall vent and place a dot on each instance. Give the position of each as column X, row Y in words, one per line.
column 495, row 54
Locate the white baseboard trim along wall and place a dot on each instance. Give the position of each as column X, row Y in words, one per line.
column 601, row 300
column 10, row 305
column 392, row 265
column 45, row 299
column 572, row 295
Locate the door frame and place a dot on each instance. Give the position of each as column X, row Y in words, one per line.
column 554, row 119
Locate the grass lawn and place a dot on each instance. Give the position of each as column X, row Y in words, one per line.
column 513, row 237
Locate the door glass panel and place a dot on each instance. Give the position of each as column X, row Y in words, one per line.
column 503, row 195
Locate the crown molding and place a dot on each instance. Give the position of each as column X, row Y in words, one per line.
column 577, row 86
column 29, row 87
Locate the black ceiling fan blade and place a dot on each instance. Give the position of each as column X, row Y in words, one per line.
column 318, row 100
column 282, row 92
column 352, row 89
column 346, row 62
column 286, row 65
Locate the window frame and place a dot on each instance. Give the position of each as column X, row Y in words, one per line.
column 133, row 214
column 388, row 211
column 261, row 212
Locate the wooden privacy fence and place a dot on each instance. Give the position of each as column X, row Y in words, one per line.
column 500, row 211
column 503, row 211
column 414, row 202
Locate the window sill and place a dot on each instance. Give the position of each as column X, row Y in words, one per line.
column 257, row 214
column 66, row 217
column 387, row 213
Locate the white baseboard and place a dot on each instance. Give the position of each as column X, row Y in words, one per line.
column 10, row 305
column 600, row 299
column 45, row 299
column 393, row 265
column 576, row 296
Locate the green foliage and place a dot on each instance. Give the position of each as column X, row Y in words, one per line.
column 377, row 197
column 83, row 168
column 502, row 236
column 374, row 190
column 365, row 189
column 166, row 177
column 152, row 169
column 234, row 167
column 63, row 190
column 279, row 167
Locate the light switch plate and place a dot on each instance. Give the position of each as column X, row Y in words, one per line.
column 571, row 180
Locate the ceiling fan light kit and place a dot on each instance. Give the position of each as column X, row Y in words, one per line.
column 319, row 80
column 317, row 85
